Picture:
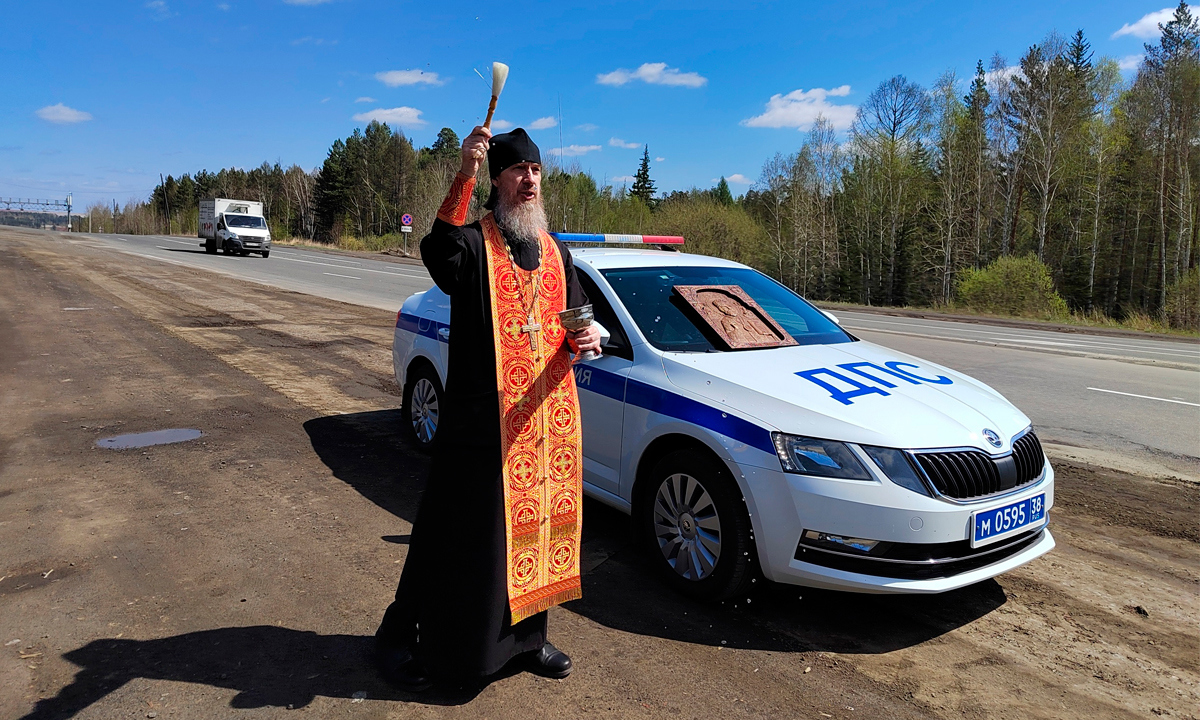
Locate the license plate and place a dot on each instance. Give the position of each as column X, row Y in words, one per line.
column 988, row 526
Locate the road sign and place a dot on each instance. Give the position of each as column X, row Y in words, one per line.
column 406, row 228
column 406, row 219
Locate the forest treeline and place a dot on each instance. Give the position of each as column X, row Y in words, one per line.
column 1058, row 157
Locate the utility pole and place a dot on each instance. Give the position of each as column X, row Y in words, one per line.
column 68, row 212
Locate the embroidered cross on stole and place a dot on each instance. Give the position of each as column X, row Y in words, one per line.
column 540, row 437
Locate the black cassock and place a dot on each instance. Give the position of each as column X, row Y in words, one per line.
column 451, row 604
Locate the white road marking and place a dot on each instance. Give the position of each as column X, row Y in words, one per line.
column 331, row 259
column 345, row 276
column 1077, row 344
column 1146, row 397
column 359, row 269
column 77, row 308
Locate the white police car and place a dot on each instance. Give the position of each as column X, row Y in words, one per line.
column 836, row 463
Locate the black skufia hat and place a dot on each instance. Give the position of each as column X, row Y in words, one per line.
column 508, row 149
column 504, row 151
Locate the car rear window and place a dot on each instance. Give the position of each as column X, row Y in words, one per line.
column 648, row 294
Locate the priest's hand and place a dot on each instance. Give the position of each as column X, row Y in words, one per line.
column 474, row 150
column 585, row 339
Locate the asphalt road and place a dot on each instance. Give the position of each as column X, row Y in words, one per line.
column 1136, row 397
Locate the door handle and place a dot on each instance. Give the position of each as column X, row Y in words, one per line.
column 444, row 333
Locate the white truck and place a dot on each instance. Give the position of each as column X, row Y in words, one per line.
column 234, row 226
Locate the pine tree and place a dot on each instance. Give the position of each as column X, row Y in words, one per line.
column 447, row 143
column 721, row 192
column 643, row 186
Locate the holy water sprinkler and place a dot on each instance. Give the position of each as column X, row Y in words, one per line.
column 499, row 75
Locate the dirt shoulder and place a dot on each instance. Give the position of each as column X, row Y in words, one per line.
column 244, row 573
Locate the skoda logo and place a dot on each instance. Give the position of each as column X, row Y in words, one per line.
column 993, row 437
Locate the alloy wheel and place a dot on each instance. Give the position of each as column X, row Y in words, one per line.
column 424, row 410
column 687, row 526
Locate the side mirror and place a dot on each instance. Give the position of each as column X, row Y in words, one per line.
column 605, row 335
column 832, row 317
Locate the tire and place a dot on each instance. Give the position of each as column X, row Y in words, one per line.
column 266, row 253
column 693, row 526
column 423, row 395
column 210, row 246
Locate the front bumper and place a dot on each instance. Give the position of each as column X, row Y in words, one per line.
column 784, row 505
column 251, row 244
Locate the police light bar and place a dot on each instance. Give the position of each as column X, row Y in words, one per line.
column 617, row 238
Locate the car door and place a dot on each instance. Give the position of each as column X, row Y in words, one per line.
column 601, row 384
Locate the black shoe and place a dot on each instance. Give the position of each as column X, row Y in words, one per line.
column 550, row 662
column 400, row 668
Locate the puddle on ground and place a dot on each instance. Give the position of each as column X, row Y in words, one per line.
column 146, row 439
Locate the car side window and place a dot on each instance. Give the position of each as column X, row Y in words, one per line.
column 618, row 343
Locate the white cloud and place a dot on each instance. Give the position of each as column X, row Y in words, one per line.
column 1130, row 62
column 544, row 123
column 313, row 41
column 654, row 74
column 587, row 127
column 160, row 9
column 501, row 124
column 738, row 179
column 224, row 7
column 365, row 99
column 800, row 108
column 991, row 76
column 574, row 150
column 618, row 142
column 396, row 78
column 1147, row 27
column 62, row 115
column 622, row 178
column 306, row 2
column 660, row 159
column 396, row 117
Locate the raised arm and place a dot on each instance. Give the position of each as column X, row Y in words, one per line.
column 445, row 250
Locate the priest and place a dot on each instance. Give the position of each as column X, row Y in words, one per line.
column 496, row 539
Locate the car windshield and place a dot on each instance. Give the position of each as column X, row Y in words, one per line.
column 245, row 221
column 648, row 294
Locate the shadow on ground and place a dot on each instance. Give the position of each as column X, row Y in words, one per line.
column 268, row 666
column 370, row 451
column 280, row 667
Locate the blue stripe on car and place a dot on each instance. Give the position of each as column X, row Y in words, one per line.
column 412, row 323
column 663, row 402
column 636, row 393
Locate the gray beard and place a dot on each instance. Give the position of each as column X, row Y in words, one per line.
column 522, row 222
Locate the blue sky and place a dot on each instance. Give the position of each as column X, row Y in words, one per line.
column 101, row 97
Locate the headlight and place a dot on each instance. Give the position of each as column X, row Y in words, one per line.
column 894, row 463
column 810, row 456
column 233, row 236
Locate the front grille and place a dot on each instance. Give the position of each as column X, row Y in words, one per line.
column 914, row 561
column 967, row 474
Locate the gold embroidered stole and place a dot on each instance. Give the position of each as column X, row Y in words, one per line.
column 540, row 437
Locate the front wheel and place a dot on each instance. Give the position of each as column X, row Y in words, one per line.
column 694, row 527
column 210, row 246
column 266, row 253
column 422, row 405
